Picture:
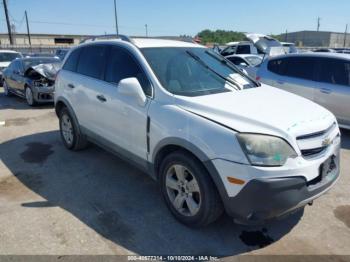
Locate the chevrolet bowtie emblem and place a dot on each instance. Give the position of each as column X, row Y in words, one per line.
column 326, row 142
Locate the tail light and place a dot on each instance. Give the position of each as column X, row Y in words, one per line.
column 257, row 78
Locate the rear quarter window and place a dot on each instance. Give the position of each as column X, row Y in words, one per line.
column 72, row 61
column 334, row 71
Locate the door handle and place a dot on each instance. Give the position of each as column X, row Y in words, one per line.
column 71, row 86
column 101, row 98
column 325, row 90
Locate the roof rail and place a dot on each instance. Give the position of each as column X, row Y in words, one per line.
column 101, row 37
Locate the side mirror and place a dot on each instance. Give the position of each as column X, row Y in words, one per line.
column 131, row 87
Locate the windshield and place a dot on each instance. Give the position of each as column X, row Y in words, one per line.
column 33, row 62
column 194, row 71
column 8, row 57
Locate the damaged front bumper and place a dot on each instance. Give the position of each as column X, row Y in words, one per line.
column 44, row 94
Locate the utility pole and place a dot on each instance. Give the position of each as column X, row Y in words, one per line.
column 318, row 23
column 286, row 36
column 146, row 27
column 28, row 32
column 346, row 32
column 8, row 22
column 116, row 17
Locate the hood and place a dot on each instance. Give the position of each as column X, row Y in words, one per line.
column 5, row 64
column 48, row 71
column 264, row 110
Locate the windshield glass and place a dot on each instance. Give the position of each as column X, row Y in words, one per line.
column 8, row 57
column 194, row 71
column 33, row 62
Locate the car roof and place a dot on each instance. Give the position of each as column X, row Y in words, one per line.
column 152, row 42
column 8, row 51
column 312, row 54
column 245, row 55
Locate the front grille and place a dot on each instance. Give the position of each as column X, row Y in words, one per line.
column 313, row 151
column 314, row 144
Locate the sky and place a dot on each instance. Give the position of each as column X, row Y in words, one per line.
column 175, row 17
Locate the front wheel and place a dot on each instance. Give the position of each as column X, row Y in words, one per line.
column 30, row 97
column 6, row 89
column 188, row 190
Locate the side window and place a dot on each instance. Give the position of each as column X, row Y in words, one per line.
column 92, row 60
column 243, row 49
column 122, row 65
column 300, row 67
column 72, row 61
column 277, row 66
column 335, row 71
column 236, row 60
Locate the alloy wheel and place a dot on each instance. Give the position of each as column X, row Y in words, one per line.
column 67, row 129
column 29, row 96
column 183, row 190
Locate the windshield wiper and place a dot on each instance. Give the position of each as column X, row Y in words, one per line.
column 198, row 59
column 233, row 66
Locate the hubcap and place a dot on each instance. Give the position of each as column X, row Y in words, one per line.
column 183, row 190
column 29, row 96
column 67, row 129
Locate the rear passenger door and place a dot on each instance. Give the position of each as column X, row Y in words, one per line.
column 333, row 90
column 295, row 75
column 83, row 75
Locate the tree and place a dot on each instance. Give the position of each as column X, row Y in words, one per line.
column 220, row 36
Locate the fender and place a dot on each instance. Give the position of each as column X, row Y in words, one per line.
column 176, row 141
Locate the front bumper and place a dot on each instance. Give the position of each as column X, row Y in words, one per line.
column 44, row 94
column 272, row 192
column 264, row 199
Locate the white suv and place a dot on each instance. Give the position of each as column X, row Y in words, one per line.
column 213, row 138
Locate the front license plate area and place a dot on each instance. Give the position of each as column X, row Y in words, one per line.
column 328, row 168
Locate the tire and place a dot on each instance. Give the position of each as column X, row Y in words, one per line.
column 181, row 194
column 30, row 96
column 70, row 133
column 7, row 92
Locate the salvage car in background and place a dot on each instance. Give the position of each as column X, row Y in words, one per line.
column 31, row 78
column 321, row 77
column 6, row 57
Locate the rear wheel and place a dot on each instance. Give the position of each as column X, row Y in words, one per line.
column 72, row 138
column 30, row 97
column 188, row 190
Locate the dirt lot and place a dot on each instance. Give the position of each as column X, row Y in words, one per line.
column 53, row 201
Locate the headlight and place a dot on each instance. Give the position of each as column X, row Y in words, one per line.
column 265, row 150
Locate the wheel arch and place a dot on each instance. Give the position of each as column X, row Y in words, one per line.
column 170, row 145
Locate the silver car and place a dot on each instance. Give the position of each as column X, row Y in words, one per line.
column 321, row 77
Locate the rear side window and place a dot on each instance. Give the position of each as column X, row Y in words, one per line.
column 243, row 49
column 121, row 65
column 92, row 60
column 72, row 61
column 277, row 66
column 300, row 67
column 334, row 71
column 237, row 60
